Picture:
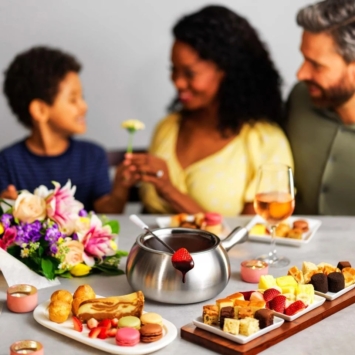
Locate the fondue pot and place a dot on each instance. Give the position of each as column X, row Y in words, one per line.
column 149, row 267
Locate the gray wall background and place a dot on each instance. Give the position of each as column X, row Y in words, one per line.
column 124, row 46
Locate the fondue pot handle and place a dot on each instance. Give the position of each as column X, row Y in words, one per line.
column 238, row 235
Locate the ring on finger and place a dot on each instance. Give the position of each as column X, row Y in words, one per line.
column 159, row 174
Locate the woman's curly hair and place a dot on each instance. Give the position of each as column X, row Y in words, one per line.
column 36, row 74
column 250, row 90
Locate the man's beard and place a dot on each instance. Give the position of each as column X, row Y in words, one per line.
column 334, row 96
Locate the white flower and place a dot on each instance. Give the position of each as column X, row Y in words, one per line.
column 29, row 207
column 133, row 125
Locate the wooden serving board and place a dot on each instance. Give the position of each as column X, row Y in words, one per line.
column 224, row 346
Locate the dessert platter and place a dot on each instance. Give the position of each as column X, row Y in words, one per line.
column 294, row 231
column 211, row 222
column 109, row 324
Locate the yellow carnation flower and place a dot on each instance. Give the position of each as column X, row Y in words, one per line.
column 80, row 270
column 131, row 126
column 1, row 228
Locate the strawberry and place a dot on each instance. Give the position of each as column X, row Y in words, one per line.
column 246, row 294
column 278, row 303
column 270, row 293
column 114, row 322
column 105, row 323
column 295, row 307
column 112, row 332
column 256, row 296
column 92, row 323
column 78, row 326
column 181, row 255
column 103, row 333
column 94, row 332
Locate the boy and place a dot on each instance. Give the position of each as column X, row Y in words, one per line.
column 44, row 91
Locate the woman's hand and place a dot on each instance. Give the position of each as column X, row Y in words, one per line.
column 153, row 170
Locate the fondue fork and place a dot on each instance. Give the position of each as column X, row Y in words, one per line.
column 135, row 219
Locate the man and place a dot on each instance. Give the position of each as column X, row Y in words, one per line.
column 321, row 110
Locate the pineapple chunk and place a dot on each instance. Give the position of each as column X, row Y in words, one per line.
column 289, row 292
column 266, row 281
column 305, row 293
column 287, row 280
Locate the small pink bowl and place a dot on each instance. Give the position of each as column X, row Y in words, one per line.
column 26, row 347
column 22, row 298
column 251, row 270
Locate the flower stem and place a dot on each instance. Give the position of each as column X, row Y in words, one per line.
column 130, row 143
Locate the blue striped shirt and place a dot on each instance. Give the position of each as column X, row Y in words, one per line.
column 84, row 163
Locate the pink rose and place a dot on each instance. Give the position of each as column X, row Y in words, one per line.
column 8, row 238
column 74, row 255
column 29, row 207
column 63, row 208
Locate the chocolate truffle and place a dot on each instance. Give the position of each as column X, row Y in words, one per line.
column 226, row 312
column 265, row 317
column 336, row 282
column 320, row 282
column 342, row 264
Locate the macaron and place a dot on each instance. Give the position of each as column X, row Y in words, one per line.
column 151, row 332
column 127, row 337
column 151, row 318
column 129, row 322
column 212, row 218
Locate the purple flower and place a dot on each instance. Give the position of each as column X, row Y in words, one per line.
column 83, row 213
column 6, row 220
column 28, row 232
column 52, row 234
column 53, row 249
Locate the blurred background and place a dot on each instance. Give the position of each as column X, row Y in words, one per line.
column 124, row 46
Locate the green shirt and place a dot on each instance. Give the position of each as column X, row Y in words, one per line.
column 323, row 149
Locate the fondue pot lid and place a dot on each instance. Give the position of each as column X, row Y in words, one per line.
column 194, row 240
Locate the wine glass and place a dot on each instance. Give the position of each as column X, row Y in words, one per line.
column 274, row 201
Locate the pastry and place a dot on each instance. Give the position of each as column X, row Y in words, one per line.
column 235, row 296
column 308, row 270
column 342, row 264
column 151, row 332
column 129, row 322
column 326, row 268
column 151, row 318
column 297, row 274
column 127, row 337
column 226, row 312
column 112, row 307
column 320, row 282
column 248, row 326
column 62, row 295
column 59, row 311
column 210, row 314
column 282, row 229
column 224, row 302
column 294, row 233
column 336, row 282
column 231, row 326
column 245, row 312
column 82, row 293
column 265, row 317
column 349, row 275
column 255, row 305
column 302, row 225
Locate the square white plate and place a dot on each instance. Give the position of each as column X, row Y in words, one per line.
column 313, row 224
column 318, row 301
column 241, row 339
column 165, row 222
column 330, row 296
column 40, row 314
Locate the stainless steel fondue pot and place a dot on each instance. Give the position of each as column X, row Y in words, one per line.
column 149, row 267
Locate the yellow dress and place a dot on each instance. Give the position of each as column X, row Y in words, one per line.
column 224, row 181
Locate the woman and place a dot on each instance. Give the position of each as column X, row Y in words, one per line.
column 223, row 126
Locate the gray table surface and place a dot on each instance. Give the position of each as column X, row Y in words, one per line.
column 334, row 241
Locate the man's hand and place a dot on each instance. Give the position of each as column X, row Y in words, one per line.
column 10, row 193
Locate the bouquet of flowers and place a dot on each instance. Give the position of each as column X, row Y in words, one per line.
column 53, row 235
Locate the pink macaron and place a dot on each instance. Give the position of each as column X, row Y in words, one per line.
column 213, row 218
column 127, row 337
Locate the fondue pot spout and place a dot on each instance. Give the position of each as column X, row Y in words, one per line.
column 237, row 236
column 149, row 266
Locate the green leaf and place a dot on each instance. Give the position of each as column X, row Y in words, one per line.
column 109, row 270
column 115, row 226
column 48, row 268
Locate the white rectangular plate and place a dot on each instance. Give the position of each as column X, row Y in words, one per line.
column 164, row 222
column 330, row 296
column 40, row 314
column 241, row 339
column 318, row 301
column 314, row 224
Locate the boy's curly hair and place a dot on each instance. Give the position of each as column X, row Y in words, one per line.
column 36, row 74
column 250, row 90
